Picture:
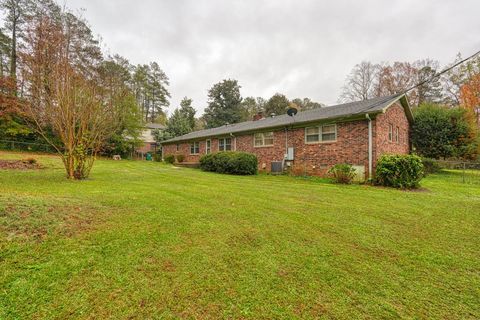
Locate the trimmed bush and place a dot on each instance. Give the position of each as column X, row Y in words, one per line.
column 430, row 166
column 170, row 158
column 399, row 171
column 180, row 158
column 230, row 162
column 342, row 173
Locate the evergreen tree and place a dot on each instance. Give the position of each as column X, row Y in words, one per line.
column 278, row 104
column 252, row 106
column 442, row 132
column 182, row 120
column 150, row 86
column 16, row 13
column 4, row 54
column 224, row 104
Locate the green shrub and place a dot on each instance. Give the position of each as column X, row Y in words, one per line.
column 342, row 173
column 180, row 158
column 206, row 162
column 399, row 171
column 170, row 158
column 239, row 163
column 430, row 166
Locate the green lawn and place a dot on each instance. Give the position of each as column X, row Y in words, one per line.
column 145, row 240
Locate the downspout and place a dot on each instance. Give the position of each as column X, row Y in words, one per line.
column 286, row 148
column 370, row 147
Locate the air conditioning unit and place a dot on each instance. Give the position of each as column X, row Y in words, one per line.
column 277, row 167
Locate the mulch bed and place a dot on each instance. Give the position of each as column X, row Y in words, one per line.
column 18, row 165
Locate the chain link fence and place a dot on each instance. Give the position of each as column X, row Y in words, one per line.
column 11, row 145
column 462, row 171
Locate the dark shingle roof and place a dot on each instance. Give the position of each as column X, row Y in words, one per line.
column 374, row 105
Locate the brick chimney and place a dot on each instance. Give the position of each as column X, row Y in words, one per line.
column 258, row 116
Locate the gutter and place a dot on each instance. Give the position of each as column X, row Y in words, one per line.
column 370, row 147
column 294, row 125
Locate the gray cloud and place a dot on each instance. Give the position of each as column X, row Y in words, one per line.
column 300, row 48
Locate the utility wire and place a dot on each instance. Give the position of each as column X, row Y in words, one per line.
column 423, row 82
column 442, row 72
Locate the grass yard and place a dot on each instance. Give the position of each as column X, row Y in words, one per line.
column 146, row 240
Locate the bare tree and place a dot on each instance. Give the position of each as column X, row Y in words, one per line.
column 429, row 86
column 62, row 92
column 397, row 78
column 457, row 77
column 360, row 83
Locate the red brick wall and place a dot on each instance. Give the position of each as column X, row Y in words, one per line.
column 316, row 159
column 395, row 115
column 147, row 147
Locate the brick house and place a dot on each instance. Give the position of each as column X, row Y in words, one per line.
column 310, row 142
column 149, row 144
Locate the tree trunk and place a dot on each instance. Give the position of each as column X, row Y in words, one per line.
column 13, row 54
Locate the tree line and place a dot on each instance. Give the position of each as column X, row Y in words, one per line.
column 446, row 107
column 226, row 105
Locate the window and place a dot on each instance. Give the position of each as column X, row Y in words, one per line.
column 397, row 134
column 208, row 146
column 390, row 132
column 329, row 133
column 195, row 147
column 178, row 146
column 263, row 139
column 225, row 144
column 326, row 133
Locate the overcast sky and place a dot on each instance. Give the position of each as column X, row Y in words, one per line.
column 301, row 48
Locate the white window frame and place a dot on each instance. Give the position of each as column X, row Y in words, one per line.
column 263, row 139
column 397, row 135
column 225, row 144
column 320, row 134
column 194, row 148
column 208, row 146
column 390, row 132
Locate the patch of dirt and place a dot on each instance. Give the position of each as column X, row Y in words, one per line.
column 37, row 221
column 27, row 164
column 168, row 266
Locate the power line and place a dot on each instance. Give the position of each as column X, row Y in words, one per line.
column 442, row 72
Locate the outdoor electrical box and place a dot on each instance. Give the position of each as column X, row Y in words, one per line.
column 289, row 156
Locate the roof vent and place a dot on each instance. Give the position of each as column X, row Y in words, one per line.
column 272, row 114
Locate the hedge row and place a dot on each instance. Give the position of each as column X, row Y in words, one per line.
column 231, row 162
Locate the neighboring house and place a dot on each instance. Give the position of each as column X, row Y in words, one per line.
column 149, row 143
column 311, row 142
